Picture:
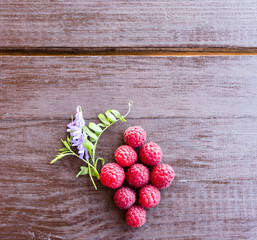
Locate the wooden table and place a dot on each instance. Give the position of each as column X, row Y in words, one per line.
column 191, row 69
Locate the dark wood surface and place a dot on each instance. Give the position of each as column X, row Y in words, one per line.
column 199, row 106
column 200, row 110
column 213, row 195
column 49, row 87
column 211, row 23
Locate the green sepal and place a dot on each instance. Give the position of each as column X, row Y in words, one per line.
column 103, row 119
column 83, row 171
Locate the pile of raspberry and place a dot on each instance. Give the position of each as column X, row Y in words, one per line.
column 137, row 176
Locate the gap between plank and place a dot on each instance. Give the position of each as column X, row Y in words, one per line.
column 126, row 51
column 141, row 118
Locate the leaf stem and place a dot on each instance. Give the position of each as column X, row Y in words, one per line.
column 87, row 162
column 90, row 175
column 89, row 168
column 93, row 155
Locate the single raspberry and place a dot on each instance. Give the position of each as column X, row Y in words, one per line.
column 135, row 216
column 150, row 154
column 149, row 196
column 125, row 156
column 162, row 176
column 124, row 197
column 112, row 175
column 137, row 175
column 135, row 136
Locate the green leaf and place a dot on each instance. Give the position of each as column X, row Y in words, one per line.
column 59, row 156
column 104, row 119
column 62, row 149
column 101, row 125
column 101, row 159
column 116, row 113
column 123, row 119
column 68, row 140
column 90, row 133
column 83, row 171
column 89, row 146
column 65, row 144
column 95, row 127
column 92, row 140
column 94, row 173
column 110, row 116
column 54, row 160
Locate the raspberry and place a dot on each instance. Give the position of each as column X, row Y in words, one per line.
column 112, row 175
column 125, row 156
column 135, row 136
column 137, row 175
column 135, row 216
column 149, row 196
column 162, row 176
column 124, row 197
column 150, row 154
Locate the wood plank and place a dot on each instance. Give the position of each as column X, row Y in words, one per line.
column 184, row 23
column 52, row 87
column 213, row 196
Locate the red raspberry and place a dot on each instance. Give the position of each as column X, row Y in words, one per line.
column 124, row 197
column 135, row 136
column 125, row 156
column 149, row 196
column 162, row 176
column 135, row 216
column 137, row 175
column 150, row 154
column 112, row 175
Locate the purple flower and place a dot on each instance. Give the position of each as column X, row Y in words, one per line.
column 75, row 129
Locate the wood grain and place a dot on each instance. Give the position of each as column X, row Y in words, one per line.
column 52, row 87
column 201, row 110
column 185, row 23
column 213, row 196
